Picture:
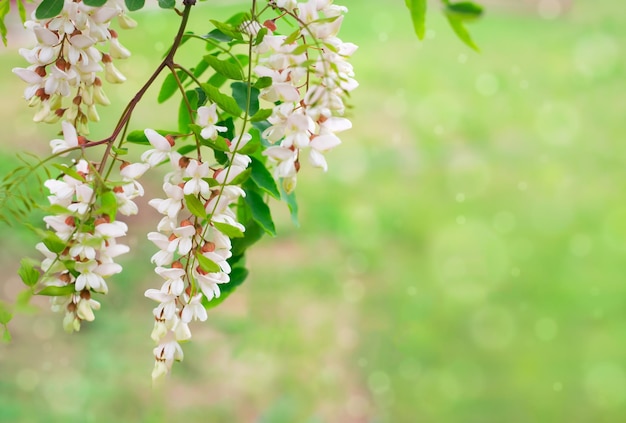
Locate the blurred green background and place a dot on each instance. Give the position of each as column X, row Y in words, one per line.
column 463, row 259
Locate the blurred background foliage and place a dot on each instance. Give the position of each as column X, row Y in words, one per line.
column 461, row 261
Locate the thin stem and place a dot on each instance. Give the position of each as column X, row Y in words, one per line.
column 128, row 111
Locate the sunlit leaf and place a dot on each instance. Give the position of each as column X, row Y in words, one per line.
column 57, row 291
column 27, row 272
column 195, row 206
column 224, row 102
column 207, row 264
column 228, row 230
column 225, row 67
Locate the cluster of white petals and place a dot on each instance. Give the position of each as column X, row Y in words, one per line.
column 309, row 99
column 81, row 252
column 188, row 242
column 67, row 59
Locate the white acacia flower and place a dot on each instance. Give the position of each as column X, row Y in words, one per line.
column 172, row 204
column 193, row 309
column 320, row 145
column 85, row 307
column 161, row 151
column 207, row 119
column 174, row 283
column 209, row 283
column 196, row 185
column 166, row 310
column 89, row 277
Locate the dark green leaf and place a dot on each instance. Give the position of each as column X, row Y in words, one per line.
column 260, row 36
column 224, row 102
column 57, row 291
column 225, row 67
column 94, row 3
column 228, row 230
column 218, row 35
column 27, row 272
column 133, row 5
column 263, row 178
column 237, row 276
column 260, row 211
column 167, row 4
column 466, row 11
column 240, row 94
column 49, row 9
column 207, row 264
column 195, row 206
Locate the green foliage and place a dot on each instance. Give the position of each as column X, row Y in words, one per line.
column 167, row 4
column 259, row 210
column 94, row 3
column 28, row 273
column 226, row 68
column 49, row 9
column 170, row 85
column 247, row 97
column 195, row 207
column 263, row 178
column 57, row 291
column 417, row 9
column 228, row 230
column 237, row 276
column 133, row 5
column 458, row 14
column 224, row 102
column 207, row 264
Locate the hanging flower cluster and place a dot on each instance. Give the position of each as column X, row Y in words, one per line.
column 310, row 91
column 286, row 98
column 66, row 60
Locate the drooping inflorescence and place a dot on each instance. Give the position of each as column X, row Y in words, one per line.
column 270, row 92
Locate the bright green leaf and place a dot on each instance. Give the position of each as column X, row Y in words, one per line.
column 69, row 171
column 49, row 9
column 27, row 272
column 228, row 230
column 292, row 204
column 227, row 29
column 5, row 314
column 417, row 9
column 184, row 115
column 108, row 204
column 261, row 115
column 6, row 336
column 224, row 102
column 5, row 8
column 227, row 68
column 170, row 85
column 53, row 242
column 459, row 28
column 139, row 137
column 263, row 82
column 195, row 206
column 57, row 291
column 207, row 264
column 21, row 9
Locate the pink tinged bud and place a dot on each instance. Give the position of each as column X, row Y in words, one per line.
column 270, row 24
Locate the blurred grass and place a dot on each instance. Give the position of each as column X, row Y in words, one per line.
column 461, row 261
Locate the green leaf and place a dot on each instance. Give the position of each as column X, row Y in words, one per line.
column 195, row 206
column 263, row 178
column 263, row 82
column 21, row 9
column 69, row 171
column 5, row 314
column 292, row 37
column 170, row 85
column 184, row 116
column 133, row 5
column 94, row 3
column 167, row 4
column 224, row 102
column 261, row 115
column 108, row 204
column 120, row 151
column 227, row 29
column 53, row 242
column 260, row 211
column 292, row 204
column 417, row 9
column 237, row 276
column 57, row 291
column 49, row 9
column 228, row 230
column 5, row 8
column 240, row 94
column 139, row 137
column 459, row 28
column 207, row 264
column 225, row 67
column 22, row 302
column 27, row 272
column 219, row 36
column 466, row 11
